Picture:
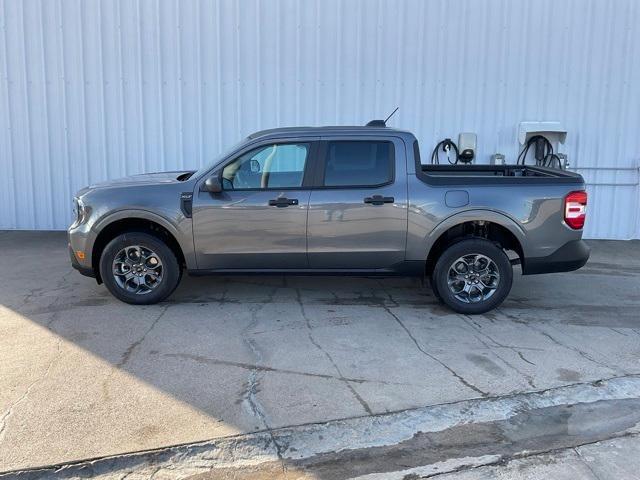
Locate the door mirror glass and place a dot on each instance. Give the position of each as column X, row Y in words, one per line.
column 212, row 184
column 255, row 166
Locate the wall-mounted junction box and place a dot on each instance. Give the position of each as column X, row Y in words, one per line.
column 553, row 131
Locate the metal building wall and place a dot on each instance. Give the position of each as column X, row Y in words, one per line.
column 91, row 90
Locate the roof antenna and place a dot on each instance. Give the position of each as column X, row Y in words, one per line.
column 387, row 119
column 381, row 123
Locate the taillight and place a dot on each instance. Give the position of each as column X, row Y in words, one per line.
column 575, row 209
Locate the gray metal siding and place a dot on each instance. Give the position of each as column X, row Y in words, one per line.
column 91, row 90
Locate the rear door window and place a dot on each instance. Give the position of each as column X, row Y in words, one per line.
column 359, row 163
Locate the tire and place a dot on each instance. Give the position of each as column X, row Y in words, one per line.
column 434, row 287
column 150, row 269
column 485, row 292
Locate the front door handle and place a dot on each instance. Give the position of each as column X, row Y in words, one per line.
column 378, row 200
column 283, row 202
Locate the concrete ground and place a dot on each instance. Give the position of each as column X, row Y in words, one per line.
column 233, row 359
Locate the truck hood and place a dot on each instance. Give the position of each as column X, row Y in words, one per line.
column 141, row 179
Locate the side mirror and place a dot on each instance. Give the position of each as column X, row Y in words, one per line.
column 212, row 184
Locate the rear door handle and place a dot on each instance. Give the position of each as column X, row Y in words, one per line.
column 283, row 202
column 378, row 200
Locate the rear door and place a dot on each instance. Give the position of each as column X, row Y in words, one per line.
column 259, row 220
column 358, row 211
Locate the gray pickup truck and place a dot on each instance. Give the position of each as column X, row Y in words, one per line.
column 332, row 200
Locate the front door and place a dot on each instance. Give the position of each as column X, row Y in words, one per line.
column 259, row 220
column 358, row 213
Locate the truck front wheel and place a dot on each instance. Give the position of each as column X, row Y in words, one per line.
column 473, row 276
column 139, row 268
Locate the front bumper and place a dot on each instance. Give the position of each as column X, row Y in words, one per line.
column 86, row 271
column 571, row 256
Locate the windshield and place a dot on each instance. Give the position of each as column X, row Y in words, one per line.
column 202, row 170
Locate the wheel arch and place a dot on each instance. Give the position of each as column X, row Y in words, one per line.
column 130, row 221
column 477, row 223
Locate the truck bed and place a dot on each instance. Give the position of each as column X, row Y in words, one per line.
column 495, row 174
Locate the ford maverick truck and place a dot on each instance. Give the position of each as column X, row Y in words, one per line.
column 336, row 201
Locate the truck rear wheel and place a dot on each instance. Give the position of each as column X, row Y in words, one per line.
column 434, row 287
column 473, row 276
column 139, row 268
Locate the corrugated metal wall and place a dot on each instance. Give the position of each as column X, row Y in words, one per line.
column 91, row 90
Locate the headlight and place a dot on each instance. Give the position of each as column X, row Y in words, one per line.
column 79, row 212
column 76, row 209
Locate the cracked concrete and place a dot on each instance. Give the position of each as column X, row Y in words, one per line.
column 315, row 343
column 4, row 419
column 433, row 357
column 416, row 443
column 613, row 459
column 83, row 375
column 126, row 356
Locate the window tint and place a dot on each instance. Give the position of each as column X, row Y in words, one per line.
column 416, row 153
column 269, row 166
column 358, row 163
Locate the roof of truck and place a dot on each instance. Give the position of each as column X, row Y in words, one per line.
column 328, row 130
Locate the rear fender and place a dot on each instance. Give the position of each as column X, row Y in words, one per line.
column 471, row 216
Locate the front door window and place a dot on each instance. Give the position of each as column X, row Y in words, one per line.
column 267, row 167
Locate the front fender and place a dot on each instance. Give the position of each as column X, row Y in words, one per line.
column 181, row 230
